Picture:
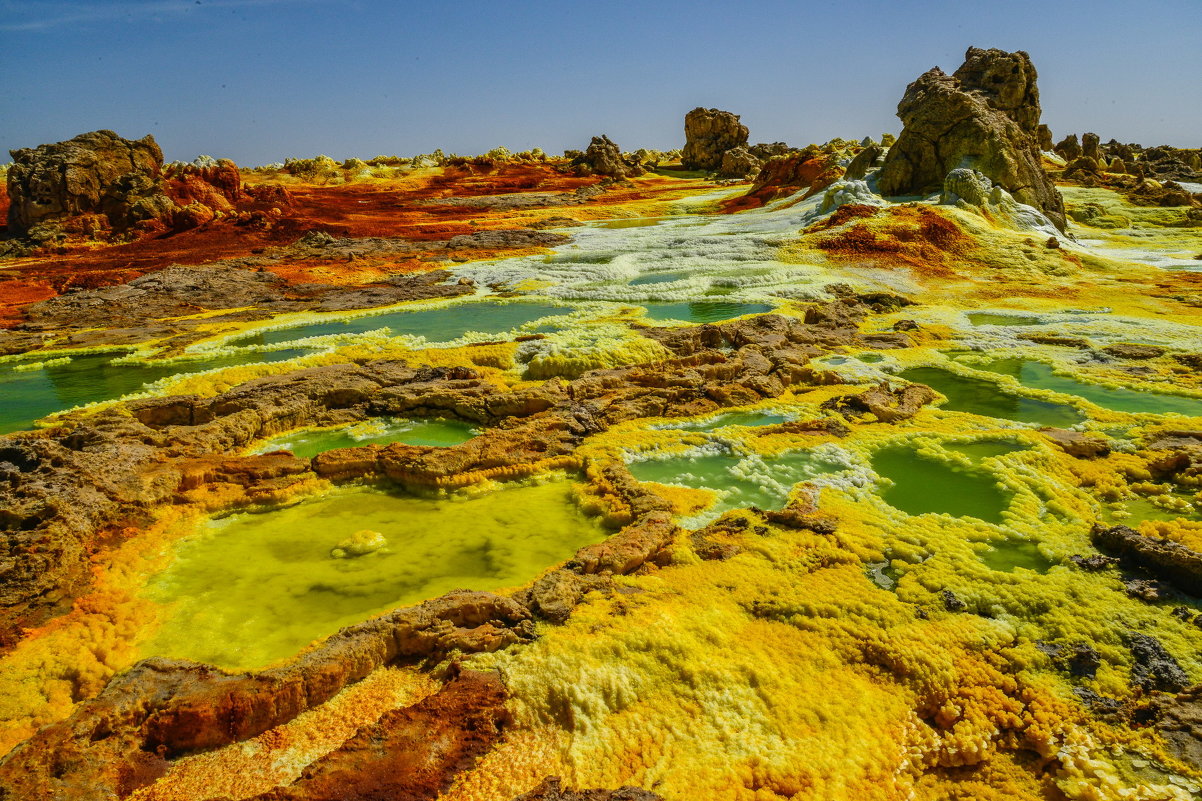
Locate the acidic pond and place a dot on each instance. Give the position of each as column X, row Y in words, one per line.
column 703, row 311
column 749, row 419
column 431, row 433
column 984, row 397
column 738, row 481
column 921, row 485
column 436, row 325
column 252, row 588
column 1041, row 376
column 30, row 395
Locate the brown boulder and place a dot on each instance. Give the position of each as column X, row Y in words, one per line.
column 1044, row 134
column 865, row 161
column 603, row 157
column 738, row 162
column 94, row 173
column 1069, row 147
column 708, row 134
column 984, row 116
column 888, row 404
column 1074, row 443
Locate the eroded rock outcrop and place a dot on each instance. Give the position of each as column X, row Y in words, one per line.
column 100, row 184
column 98, row 174
column 984, row 116
column 1164, row 559
column 603, row 157
column 709, row 133
column 738, row 162
column 160, row 709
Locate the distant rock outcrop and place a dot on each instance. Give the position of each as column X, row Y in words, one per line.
column 708, row 134
column 604, row 158
column 984, row 116
column 97, row 173
column 99, row 184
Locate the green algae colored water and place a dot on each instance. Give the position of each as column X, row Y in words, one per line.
column 985, row 448
column 985, row 318
column 657, row 278
column 921, row 485
column 430, row 433
column 253, row 588
column 29, row 395
column 984, row 397
column 870, row 358
column 436, row 325
column 749, row 419
column 703, row 311
column 1011, row 555
column 740, row 482
column 1041, row 376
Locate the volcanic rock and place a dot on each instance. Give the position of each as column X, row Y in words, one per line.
column 867, row 160
column 551, row 789
column 1044, row 134
column 1155, row 668
column 1074, row 443
column 1178, row 719
column 984, row 116
column 411, row 753
column 1069, row 148
column 766, row 150
column 603, row 157
column 738, row 162
column 1134, row 351
column 1089, row 146
column 708, row 134
column 161, row 708
column 888, row 404
column 95, row 173
column 784, row 175
column 1167, row 560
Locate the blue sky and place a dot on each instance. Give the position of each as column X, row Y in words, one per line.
column 259, row 80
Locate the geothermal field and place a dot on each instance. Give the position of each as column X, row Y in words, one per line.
column 868, row 470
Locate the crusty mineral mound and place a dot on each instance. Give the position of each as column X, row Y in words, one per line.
column 984, row 116
column 94, row 173
column 708, row 134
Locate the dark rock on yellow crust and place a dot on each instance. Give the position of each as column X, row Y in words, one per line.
column 552, row 789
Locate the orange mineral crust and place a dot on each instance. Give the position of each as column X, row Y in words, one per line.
column 425, row 208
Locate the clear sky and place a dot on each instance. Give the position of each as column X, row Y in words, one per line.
column 259, row 80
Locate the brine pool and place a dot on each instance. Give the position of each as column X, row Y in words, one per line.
column 245, row 590
column 31, row 394
column 307, row 443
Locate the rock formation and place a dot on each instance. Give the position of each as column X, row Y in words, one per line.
column 603, row 157
column 738, row 162
column 708, row 134
column 984, row 116
column 97, row 173
column 99, row 184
